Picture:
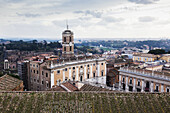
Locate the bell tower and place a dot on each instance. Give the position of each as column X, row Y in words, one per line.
column 67, row 43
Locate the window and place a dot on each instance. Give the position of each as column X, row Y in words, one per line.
column 47, row 85
column 65, row 69
column 42, row 82
column 130, row 80
column 58, row 71
column 87, row 65
column 31, row 70
column 37, row 65
column 81, row 78
column 101, row 63
column 34, row 71
column 30, row 64
column 81, row 67
column 157, row 88
column 64, row 48
column 70, row 39
column 46, row 74
column 167, row 90
column 33, row 65
column 37, row 71
column 138, row 82
column 88, row 76
column 70, row 48
column 34, row 80
column 42, row 72
column 123, row 79
column 94, row 75
column 64, row 39
column 102, row 73
column 93, row 64
column 38, row 81
column 66, row 79
column 73, row 68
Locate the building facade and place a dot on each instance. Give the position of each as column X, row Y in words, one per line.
column 144, row 57
column 138, row 80
column 45, row 75
column 23, row 72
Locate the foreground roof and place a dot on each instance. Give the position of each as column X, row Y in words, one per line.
column 106, row 102
column 8, row 83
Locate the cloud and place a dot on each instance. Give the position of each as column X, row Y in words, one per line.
column 96, row 14
column 143, row 1
column 146, row 19
column 29, row 15
column 112, row 19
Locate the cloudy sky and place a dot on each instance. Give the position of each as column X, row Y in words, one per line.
column 86, row 18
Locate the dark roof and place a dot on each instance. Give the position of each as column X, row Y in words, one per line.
column 76, row 102
column 8, row 83
column 57, row 88
column 87, row 87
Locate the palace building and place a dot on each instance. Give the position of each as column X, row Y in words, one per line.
column 139, row 80
column 48, row 72
column 142, row 57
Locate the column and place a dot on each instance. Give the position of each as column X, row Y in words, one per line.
column 91, row 74
column 70, row 73
column 127, row 87
column 151, row 87
column 85, row 75
column 120, row 77
column 98, row 69
column 134, row 84
column 77, row 70
column 142, row 89
column 52, row 78
column 63, row 74
column 162, row 88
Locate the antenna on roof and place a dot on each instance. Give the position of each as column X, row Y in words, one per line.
column 67, row 24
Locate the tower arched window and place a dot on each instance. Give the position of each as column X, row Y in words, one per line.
column 70, row 48
column 70, row 38
column 64, row 39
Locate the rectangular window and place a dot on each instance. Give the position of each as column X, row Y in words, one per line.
column 94, row 75
column 42, row 72
column 64, row 48
column 73, row 68
column 46, row 74
column 70, row 48
column 42, row 82
column 102, row 73
column 37, row 71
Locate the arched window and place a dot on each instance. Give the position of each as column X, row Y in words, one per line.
column 70, row 39
column 64, row 39
column 64, row 48
column 70, row 48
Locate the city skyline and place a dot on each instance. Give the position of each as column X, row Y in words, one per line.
column 87, row 19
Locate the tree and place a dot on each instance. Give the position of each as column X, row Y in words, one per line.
column 157, row 51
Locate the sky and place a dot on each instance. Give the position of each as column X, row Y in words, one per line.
column 46, row 19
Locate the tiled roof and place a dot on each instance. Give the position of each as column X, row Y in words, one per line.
column 70, row 86
column 84, row 102
column 8, row 83
column 87, row 87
